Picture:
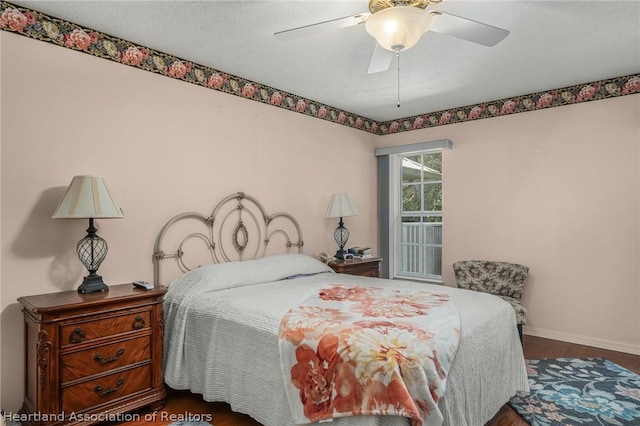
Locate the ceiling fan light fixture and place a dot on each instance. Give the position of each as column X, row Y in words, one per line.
column 398, row 28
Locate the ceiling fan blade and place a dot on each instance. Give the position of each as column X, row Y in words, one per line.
column 320, row 27
column 380, row 60
column 466, row 29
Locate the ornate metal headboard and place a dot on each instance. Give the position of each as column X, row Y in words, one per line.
column 239, row 228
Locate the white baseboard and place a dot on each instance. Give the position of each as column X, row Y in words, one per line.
column 582, row 340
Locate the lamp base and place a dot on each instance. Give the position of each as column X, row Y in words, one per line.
column 340, row 254
column 92, row 283
column 341, row 235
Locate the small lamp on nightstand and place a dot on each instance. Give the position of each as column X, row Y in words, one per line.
column 88, row 198
column 341, row 206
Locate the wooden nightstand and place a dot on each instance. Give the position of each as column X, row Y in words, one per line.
column 90, row 356
column 369, row 267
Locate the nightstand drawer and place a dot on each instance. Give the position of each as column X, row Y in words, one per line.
column 99, row 359
column 87, row 331
column 367, row 267
column 365, row 272
column 104, row 389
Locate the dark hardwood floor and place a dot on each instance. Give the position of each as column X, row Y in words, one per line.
column 181, row 404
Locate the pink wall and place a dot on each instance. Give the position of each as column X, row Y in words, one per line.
column 557, row 190
column 163, row 147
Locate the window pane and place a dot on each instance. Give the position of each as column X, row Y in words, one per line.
column 433, row 197
column 433, row 260
column 432, row 232
column 410, row 259
column 411, row 198
column 411, row 219
column 432, row 167
column 411, row 231
column 433, row 161
column 411, row 169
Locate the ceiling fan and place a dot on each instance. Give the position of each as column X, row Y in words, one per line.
column 397, row 25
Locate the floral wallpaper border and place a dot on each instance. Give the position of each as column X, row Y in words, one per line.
column 31, row 23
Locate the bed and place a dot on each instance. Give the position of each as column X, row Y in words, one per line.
column 223, row 313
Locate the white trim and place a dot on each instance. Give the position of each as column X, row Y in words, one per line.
column 418, row 279
column 582, row 340
column 396, row 167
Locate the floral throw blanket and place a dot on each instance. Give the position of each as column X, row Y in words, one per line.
column 361, row 350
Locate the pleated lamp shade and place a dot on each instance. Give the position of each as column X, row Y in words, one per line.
column 87, row 197
column 341, row 205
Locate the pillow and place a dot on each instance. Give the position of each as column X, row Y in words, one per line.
column 220, row 276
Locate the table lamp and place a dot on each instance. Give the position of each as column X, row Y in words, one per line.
column 341, row 206
column 89, row 198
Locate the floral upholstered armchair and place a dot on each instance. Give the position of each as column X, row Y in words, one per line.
column 502, row 279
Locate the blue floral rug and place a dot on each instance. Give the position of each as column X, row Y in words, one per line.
column 573, row 391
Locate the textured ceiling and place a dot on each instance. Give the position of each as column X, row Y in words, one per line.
column 551, row 44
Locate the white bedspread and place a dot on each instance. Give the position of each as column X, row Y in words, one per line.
column 223, row 343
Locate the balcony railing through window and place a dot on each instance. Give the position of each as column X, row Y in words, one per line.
column 421, row 249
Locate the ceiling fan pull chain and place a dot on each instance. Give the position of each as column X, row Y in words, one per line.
column 398, row 56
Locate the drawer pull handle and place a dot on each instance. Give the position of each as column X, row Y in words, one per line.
column 98, row 357
column 105, row 392
column 138, row 323
column 77, row 335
